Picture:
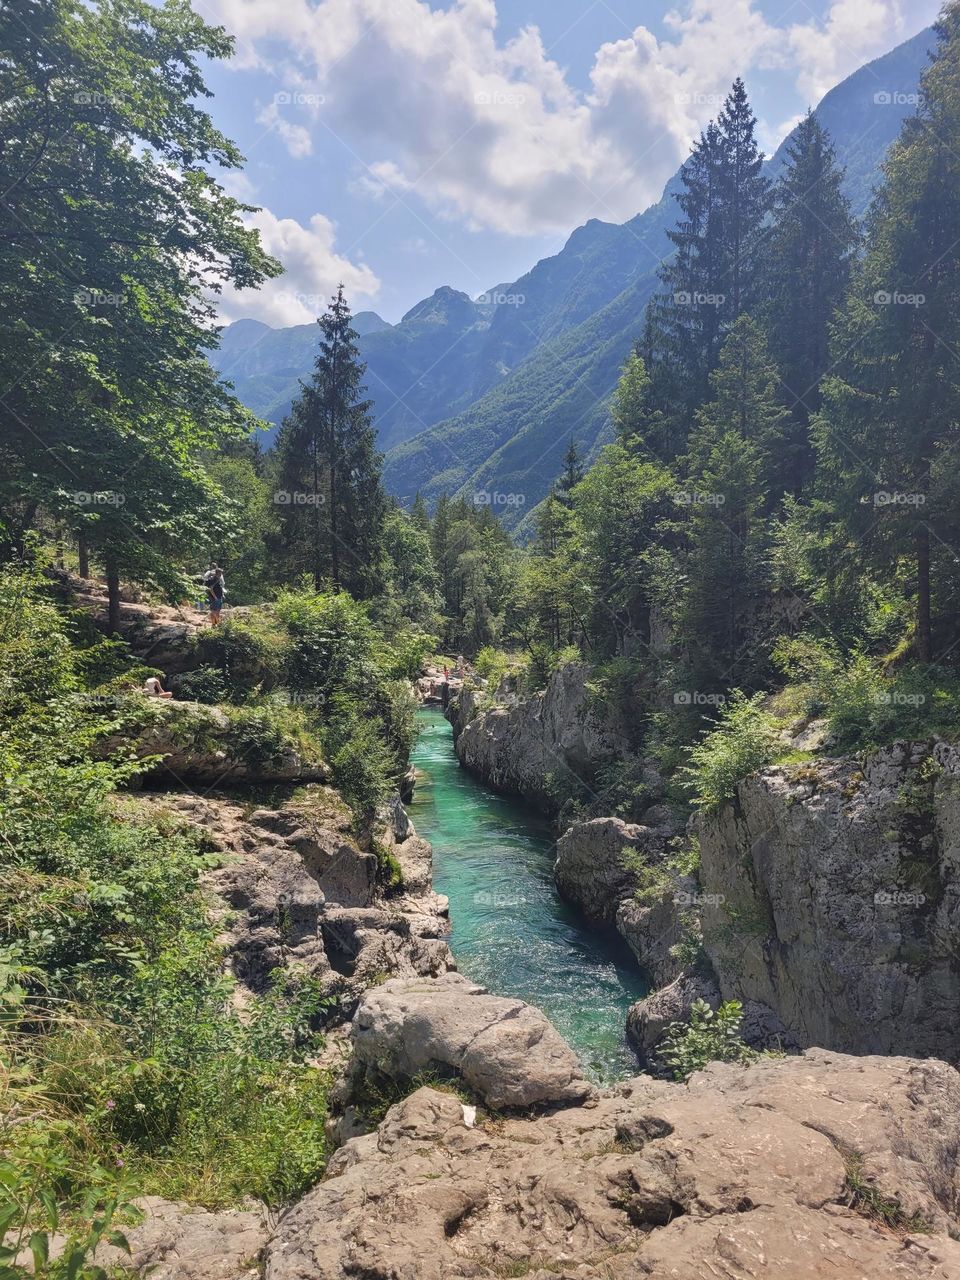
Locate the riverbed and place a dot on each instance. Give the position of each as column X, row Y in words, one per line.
column 493, row 858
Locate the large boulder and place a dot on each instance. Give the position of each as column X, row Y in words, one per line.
column 774, row 1172
column 833, row 898
column 504, row 1051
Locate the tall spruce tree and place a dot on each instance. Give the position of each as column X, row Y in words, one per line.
column 333, row 505
column 888, row 435
column 713, row 276
column 807, row 262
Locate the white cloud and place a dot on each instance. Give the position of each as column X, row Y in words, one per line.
column 296, row 138
column 491, row 133
column 313, row 271
column 852, row 33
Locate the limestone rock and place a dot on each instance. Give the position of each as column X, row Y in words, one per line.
column 504, row 1050
column 590, row 873
column 740, row 1175
column 834, row 899
column 182, row 1242
column 649, row 1018
column 517, row 749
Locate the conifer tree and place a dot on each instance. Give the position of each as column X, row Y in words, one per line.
column 713, row 276
column 807, row 261
column 571, row 475
column 332, row 501
column 745, row 388
column 888, row 435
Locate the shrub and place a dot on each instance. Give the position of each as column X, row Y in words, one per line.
column 250, row 654
column 710, row 1036
column 745, row 739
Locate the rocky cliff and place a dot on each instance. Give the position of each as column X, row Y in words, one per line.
column 537, row 747
column 827, row 901
column 836, row 899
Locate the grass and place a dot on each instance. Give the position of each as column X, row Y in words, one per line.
column 869, row 1200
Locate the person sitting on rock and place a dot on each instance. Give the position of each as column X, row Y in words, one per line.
column 153, row 687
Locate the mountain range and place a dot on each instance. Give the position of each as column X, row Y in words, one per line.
column 481, row 397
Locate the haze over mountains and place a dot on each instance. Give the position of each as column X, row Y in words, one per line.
column 483, row 396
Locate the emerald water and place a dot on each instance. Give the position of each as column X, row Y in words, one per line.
column 512, row 932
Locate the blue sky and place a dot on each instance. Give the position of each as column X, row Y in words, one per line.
column 404, row 144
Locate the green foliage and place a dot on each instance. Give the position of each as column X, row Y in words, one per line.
column 125, row 1063
column 710, row 1036
column 326, row 454
column 250, row 654
column 109, row 173
column 867, row 1198
column 864, row 705
column 744, row 739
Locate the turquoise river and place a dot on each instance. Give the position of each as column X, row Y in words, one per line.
column 493, row 858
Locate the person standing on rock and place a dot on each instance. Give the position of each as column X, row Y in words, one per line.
column 216, row 590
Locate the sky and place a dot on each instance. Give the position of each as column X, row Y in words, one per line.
column 401, row 145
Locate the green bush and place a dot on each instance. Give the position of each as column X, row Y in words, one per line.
column 250, row 654
column 745, row 739
column 864, row 706
column 710, row 1036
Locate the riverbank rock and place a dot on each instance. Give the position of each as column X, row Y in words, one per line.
column 184, row 1242
column 833, row 898
column 763, row 1173
column 295, row 888
column 535, row 748
column 204, row 744
column 504, row 1051
column 596, row 870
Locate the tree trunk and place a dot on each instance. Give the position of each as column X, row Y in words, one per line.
column 924, row 643
column 113, row 595
column 83, row 555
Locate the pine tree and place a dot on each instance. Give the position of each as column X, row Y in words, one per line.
column 332, row 499
column 745, row 387
column 713, row 276
column 573, row 472
column 807, row 261
column 725, row 565
column 888, row 433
